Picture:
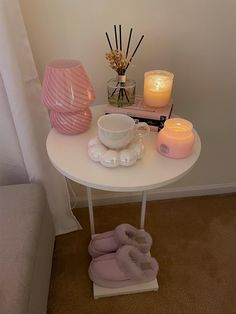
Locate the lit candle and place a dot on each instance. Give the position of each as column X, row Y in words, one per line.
column 176, row 139
column 157, row 88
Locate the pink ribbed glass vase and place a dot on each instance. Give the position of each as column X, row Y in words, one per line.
column 71, row 123
column 68, row 93
column 66, row 87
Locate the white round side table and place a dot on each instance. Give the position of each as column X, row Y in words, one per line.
column 69, row 155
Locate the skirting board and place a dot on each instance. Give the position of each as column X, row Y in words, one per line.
column 109, row 198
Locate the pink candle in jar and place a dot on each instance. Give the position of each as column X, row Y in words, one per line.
column 176, row 139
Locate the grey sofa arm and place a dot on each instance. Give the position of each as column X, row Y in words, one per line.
column 26, row 248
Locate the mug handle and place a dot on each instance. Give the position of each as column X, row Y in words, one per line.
column 142, row 129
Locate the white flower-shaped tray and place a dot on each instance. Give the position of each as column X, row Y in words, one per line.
column 113, row 158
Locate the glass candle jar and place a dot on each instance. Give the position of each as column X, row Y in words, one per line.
column 121, row 91
column 176, row 139
column 158, row 88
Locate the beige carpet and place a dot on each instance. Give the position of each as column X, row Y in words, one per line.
column 194, row 243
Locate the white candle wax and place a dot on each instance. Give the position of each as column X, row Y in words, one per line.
column 158, row 88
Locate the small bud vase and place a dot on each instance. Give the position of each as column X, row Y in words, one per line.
column 121, row 91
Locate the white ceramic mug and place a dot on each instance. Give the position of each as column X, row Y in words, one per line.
column 117, row 130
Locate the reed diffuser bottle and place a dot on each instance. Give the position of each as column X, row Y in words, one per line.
column 121, row 90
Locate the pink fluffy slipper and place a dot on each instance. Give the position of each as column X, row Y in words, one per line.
column 123, row 234
column 128, row 266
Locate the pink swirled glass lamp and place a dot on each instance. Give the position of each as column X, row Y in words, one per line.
column 67, row 92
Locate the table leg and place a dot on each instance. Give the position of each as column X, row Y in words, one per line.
column 143, row 209
column 90, row 206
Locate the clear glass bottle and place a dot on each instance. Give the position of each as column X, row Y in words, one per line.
column 121, row 91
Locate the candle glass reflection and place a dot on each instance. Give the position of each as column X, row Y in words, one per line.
column 158, row 88
column 176, row 139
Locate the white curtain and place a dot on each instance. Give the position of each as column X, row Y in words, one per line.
column 24, row 123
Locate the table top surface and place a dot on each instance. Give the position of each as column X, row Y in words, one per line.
column 69, row 155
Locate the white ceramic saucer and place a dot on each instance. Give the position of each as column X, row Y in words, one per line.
column 110, row 158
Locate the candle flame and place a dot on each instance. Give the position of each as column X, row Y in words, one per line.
column 159, row 84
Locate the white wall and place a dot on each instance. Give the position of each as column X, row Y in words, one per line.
column 193, row 39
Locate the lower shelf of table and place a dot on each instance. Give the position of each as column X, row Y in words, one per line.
column 100, row 292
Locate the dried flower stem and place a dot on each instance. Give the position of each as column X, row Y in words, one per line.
column 117, row 61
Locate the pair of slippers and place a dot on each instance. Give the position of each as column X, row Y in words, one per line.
column 120, row 259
